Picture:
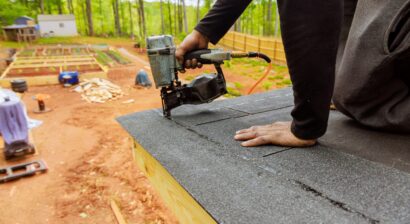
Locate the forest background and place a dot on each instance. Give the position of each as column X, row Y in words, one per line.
column 138, row 18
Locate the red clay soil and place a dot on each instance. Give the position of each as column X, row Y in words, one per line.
column 89, row 158
column 90, row 162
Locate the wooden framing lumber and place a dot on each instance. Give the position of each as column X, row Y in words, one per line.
column 60, row 62
column 42, row 60
column 6, row 71
column 117, row 212
column 183, row 205
column 49, row 79
column 53, row 57
column 5, row 35
column 55, row 65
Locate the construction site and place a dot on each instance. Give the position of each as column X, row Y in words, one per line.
column 87, row 153
column 123, row 129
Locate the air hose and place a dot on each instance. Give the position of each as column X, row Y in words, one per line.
column 255, row 55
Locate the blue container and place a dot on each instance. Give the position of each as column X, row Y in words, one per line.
column 73, row 77
column 142, row 79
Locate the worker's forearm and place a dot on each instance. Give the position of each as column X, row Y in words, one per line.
column 220, row 18
column 310, row 31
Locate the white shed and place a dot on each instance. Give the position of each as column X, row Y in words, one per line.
column 57, row 25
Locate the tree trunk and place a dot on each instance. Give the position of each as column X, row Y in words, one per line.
column 116, row 18
column 90, row 18
column 162, row 18
column 84, row 12
column 60, row 7
column 141, row 8
column 102, row 17
column 70, row 6
column 197, row 11
column 175, row 19
column 49, row 9
column 139, row 21
column 185, row 19
column 180, row 17
column 131, row 20
column 269, row 19
column 122, row 20
column 277, row 21
column 237, row 26
column 169, row 17
column 41, row 4
column 251, row 24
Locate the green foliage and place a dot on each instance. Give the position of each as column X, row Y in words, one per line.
column 276, row 77
column 11, row 44
column 227, row 64
column 232, row 93
column 267, row 85
column 253, row 21
column 251, row 62
column 10, row 10
column 103, row 58
column 287, row 82
column 118, row 57
column 27, row 52
column 238, row 85
column 56, row 40
column 189, row 78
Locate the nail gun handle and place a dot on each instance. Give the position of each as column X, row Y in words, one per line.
column 196, row 54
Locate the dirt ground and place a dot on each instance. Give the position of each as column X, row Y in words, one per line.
column 89, row 158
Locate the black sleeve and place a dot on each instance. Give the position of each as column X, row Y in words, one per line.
column 220, row 18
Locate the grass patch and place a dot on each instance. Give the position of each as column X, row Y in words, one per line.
column 287, row 82
column 118, row 57
column 103, row 58
column 238, row 85
column 83, row 40
column 27, row 53
column 11, row 44
column 232, row 92
column 276, row 77
column 189, row 78
column 228, row 64
column 267, row 85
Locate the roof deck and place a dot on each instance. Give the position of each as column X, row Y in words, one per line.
column 354, row 175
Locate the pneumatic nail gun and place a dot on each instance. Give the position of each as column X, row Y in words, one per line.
column 203, row 89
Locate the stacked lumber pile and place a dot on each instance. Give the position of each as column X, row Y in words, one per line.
column 98, row 90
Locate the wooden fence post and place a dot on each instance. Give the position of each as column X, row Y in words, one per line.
column 244, row 42
column 274, row 50
column 233, row 41
column 277, row 44
column 259, row 44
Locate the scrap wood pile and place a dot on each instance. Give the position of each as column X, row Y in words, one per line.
column 98, row 90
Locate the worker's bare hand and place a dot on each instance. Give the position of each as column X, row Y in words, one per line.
column 193, row 41
column 277, row 133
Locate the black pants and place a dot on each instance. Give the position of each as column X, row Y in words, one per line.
column 313, row 38
column 310, row 32
column 373, row 72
